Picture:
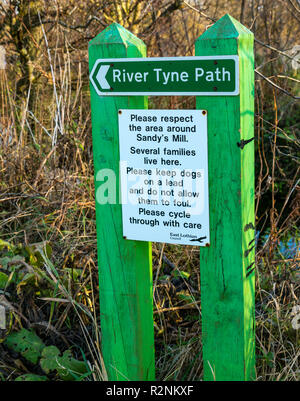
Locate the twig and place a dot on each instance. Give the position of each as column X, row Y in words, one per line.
column 175, row 308
column 73, row 27
column 276, row 86
column 199, row 11
column 274, row 49
column 256, row 40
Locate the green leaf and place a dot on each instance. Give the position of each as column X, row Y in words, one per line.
column 3, row 280
column 182, row 274
column 71, row 367
column 35, row 253
column 67, row 367
column 4, row 261
column 50, row 357
column 30, row 377
column 4, row 244
column 29, row 281
column 13, row 260
column 27, row 343
column 185, row 297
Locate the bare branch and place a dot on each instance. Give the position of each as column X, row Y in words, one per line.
column 199, row 11
column 274, row 49
column 276, row 86
column 74, row 27
column 294, row 6
column 256, row 40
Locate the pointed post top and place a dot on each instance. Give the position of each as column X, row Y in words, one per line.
column 226, row 27
column 116, row 34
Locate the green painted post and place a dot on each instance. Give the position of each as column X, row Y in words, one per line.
column 125, row 267
column 227, row 266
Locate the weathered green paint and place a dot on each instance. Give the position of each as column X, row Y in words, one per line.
column 125, row 267
column 227, row 293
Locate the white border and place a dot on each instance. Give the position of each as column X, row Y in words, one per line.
column 127, row 209
column 145, row 59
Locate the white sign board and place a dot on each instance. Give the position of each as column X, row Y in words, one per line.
column 164, row 176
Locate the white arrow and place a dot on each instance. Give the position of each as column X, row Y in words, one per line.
column 101, row 77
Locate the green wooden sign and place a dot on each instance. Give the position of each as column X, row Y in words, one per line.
column 125, row 267
column 212, row 75
column 227, row 265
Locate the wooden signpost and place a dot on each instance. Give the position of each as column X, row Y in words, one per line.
column 227, row 266
column 213, row 208
column 125, row 267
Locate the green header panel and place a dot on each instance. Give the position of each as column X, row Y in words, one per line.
column 211, row 75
